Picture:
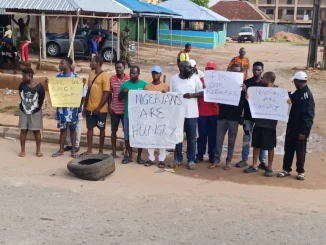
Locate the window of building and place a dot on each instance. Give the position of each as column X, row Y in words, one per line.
column 289, row 1
column 300, row 12
column 308, row 12
column 269, row 1
column 269, row 11
column 290, row 12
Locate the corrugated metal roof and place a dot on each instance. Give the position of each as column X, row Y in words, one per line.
column 141, row 7
column 191, row 11
column 240, row 10
column 102, row 6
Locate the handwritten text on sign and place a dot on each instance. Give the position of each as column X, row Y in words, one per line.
column 65, row 92
column 155, row 119
column 223, row 87
column 268, row 103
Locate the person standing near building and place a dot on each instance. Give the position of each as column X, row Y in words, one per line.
column 9, row 53
column 116, row 107
column 32, row 96
column 299, row 125
column 25, row 37
column 124, row 37
column 242, row 61
column 8, row 34
column 159, row 86
column 191, row 87
column 207, row 125
column 184, row 55
column 248, row 121
column 228, row 122
column 96, row 103
column 93, row 47
column 259, row 34
column 133, row 84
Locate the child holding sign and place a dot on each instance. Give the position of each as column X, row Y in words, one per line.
column 159, row 86
column 264, row 133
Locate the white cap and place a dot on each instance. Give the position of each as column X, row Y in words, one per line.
column 300, row 75
column 192, row 63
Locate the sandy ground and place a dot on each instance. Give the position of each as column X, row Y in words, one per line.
column 282, row 58
column 41, row 203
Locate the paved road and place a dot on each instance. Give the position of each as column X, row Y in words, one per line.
column 42, row 204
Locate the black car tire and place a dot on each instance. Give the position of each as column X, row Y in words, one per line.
column 54, row 46
column 92, row 167
column 108, row 52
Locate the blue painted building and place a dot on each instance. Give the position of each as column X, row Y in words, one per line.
column 199, row 26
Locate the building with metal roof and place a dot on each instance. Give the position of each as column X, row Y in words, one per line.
column 242, row 14
column 192, row 12
column 83, row 7
column 199, row 26
column 147, row 9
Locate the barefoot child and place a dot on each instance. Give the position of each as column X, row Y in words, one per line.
column 264, row 134
column 30, row 110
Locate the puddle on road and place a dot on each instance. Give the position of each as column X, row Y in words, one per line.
column 315, row 143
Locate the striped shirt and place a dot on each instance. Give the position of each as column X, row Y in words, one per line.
column 118, row 107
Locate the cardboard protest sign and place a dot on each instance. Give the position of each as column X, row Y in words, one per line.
column 155, row 119
column 223, row 87
column 65, row 92
column 268, row 103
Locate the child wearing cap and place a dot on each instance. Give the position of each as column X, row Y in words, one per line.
column 157, row 85
column 207, row 125
column 299, row 125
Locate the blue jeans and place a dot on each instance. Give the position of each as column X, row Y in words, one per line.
column 207, row 126
column 247, row 133
column 190, row 127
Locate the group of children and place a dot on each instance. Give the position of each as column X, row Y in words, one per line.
column 209, row 121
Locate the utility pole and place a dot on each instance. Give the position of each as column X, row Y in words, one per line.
column 314, row 36
column 323, row 38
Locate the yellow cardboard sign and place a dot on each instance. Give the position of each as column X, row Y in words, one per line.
column 65, row 92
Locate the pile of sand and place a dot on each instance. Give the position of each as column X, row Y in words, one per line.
column 287, row 36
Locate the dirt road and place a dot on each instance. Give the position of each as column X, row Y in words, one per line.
column 42, row 204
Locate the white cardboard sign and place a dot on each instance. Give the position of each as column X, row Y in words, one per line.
column 223, row 87
column 156, row 119
column 268, row 103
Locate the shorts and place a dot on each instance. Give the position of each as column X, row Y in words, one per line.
column 33, row 122
column 98, row 121
column 264, row 138
column 115, row 120
column 126, row 128
column 65, row 125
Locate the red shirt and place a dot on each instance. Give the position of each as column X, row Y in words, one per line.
column 207, row 108
column 118, row 107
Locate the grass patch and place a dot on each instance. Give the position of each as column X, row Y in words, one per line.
column 8, row 108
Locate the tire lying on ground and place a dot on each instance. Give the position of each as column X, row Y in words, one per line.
column 92, row 167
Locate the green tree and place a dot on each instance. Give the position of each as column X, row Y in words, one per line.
column 203, row 3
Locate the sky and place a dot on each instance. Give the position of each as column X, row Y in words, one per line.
column 212, row 2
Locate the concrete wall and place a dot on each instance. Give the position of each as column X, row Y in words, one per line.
column 233, row 28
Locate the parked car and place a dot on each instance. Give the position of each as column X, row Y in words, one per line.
column 246, row 34
column 57, row 45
